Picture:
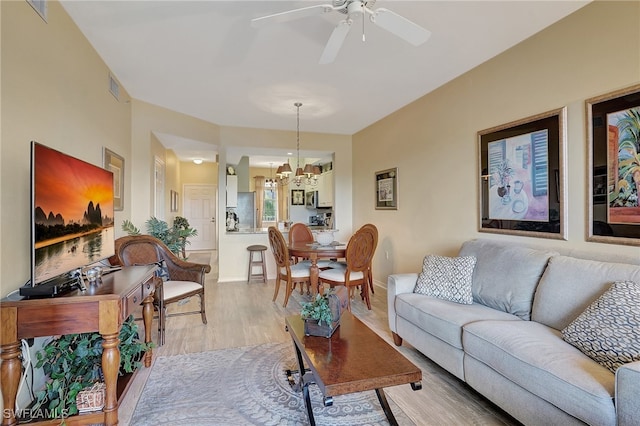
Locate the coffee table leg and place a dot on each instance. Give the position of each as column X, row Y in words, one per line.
column 385, row 407
column 305, row 386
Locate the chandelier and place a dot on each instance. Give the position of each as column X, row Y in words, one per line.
column 271, row 182
column 310, row 173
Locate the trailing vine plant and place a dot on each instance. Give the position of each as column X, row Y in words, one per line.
column 73, row 362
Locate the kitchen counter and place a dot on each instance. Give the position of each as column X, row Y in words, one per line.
column 244, row 231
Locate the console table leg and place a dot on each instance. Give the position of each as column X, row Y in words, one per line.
column 10, row 373
column 385, row 407
column 147, row 319
column 110, row 367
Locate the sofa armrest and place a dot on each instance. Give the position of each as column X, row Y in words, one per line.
column 627, row 394
column 398, row 284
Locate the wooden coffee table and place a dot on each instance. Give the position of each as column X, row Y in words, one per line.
column 354, row 359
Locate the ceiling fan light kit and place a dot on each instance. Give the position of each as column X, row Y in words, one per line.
column 354, row 9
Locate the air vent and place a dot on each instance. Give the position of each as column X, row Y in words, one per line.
column 40, row 6
column 114, row 87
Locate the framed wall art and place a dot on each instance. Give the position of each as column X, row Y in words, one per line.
column 174, row 201
column 297, row 197
column 522, row 175
column 613, row 133
column 115, row 163
column 387, row 189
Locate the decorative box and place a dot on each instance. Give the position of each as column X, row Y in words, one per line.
column 338, row 303
column 91, row 399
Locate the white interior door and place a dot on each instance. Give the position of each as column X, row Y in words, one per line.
column 199, row 208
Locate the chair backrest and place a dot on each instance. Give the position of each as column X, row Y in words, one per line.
column 279, row 247
column 139, row 250
column 369, row 227
column 360, row 250
column 300, row 233
column 144, row 249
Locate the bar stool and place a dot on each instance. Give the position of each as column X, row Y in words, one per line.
column 257, row 249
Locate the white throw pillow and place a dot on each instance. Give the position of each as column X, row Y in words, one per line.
column 608, row 331
column 447, row 278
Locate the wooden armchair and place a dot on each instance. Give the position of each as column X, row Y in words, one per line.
column 182, row 279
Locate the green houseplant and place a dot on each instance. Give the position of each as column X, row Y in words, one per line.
column 322, row 314
column 73, row 362
column 174, row 237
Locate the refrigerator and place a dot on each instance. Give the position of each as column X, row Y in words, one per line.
column 246, row 210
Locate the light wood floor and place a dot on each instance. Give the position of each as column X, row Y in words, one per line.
column 242, row 314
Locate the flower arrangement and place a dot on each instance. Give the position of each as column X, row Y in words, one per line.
column 502, row 173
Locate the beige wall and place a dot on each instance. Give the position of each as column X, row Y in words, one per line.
column 54, row 91
column 433, row 141
column 205, row 173
column 146, row 119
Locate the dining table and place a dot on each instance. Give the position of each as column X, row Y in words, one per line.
column 313, row 252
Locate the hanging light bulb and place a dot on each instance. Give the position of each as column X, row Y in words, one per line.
column 270, row 183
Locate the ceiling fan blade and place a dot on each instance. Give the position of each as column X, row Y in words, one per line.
column 290, row 15
column 335, row 41
column 400, row 26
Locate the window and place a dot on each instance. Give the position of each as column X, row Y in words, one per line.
column 270, row 207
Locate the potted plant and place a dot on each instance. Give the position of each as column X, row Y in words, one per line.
column 73, row 362
column 322, row 314
column 174, row 237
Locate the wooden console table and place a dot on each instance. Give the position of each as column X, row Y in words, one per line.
column 102, row 308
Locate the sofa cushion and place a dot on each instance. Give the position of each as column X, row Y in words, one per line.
column 608, row 331
column 505, row 276
column 535, row 357
column 447, row 278
column 442, row 318
column 569, row 285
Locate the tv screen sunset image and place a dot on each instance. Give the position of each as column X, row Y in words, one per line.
column 73, row 213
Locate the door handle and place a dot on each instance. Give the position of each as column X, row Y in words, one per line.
column 213, row 219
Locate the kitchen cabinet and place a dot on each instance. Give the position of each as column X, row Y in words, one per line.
column 325, row 189
column 232, row 190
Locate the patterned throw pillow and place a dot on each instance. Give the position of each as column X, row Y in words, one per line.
column 608, row 331
column 447, row 278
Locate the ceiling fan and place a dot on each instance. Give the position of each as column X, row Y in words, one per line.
column 354, row 9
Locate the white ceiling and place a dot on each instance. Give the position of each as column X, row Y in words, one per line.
column 204, row 59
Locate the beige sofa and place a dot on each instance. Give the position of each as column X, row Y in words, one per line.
column 508, row 344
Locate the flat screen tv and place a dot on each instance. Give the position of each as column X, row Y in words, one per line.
column 72, row 214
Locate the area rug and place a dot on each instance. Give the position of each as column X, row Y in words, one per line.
column 245, row 386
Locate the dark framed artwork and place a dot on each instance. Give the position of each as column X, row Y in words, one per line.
column 387, row 189
column 174, row 201
column 522, row 177
column 115, row 163
column 613, row 133
column 297, row 197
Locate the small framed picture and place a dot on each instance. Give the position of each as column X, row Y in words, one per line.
column 174, row 201
column 297, row 197
column 115, row 163
column 387, row 189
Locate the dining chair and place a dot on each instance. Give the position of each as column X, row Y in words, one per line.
column 369, row 227
column 299, row 233
column 181, row 279
column 358, row 255
column 290, row 273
